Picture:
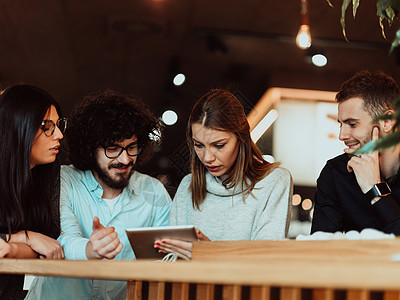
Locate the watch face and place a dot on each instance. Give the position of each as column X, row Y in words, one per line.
column 382, row 189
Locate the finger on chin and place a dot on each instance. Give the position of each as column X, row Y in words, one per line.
column 375, row 133
column 349, row 150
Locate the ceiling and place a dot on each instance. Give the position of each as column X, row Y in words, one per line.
column 72, row 48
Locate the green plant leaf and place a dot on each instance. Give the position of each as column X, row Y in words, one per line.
column 390, row 14
column 395, row 4
column 396, row 125
column 382, row 28
column 385, row 117
column 384, row 10
column 381, row 144
column 396, row 102
column 396, row 117
column 390, row 140
column 367, row 148
column 395, row 42
column 356, row 3
column 345, row 4
column 329, row 2
column 380, row 8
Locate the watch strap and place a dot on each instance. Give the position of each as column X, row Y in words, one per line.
column 374, row 200
column 380, row 189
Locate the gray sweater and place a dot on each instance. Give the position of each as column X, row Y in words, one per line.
column 224, row 216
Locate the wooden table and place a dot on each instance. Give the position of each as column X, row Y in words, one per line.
column 254, row 270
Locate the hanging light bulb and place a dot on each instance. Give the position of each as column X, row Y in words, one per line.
column 303, row 38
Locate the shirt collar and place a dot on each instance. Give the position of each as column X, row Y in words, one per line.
column 92, row 183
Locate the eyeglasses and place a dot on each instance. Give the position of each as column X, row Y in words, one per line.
column 114, row 151
column 49, row 127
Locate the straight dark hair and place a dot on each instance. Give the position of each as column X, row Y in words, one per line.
column 25, row 193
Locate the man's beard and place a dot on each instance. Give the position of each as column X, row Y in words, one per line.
column 363, row 140
column 119, row 183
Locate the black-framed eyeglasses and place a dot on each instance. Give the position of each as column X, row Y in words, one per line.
column 113, row 151
column 48, row 126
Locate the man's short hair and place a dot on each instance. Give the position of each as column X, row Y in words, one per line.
column 105, row 118
column 377, row 89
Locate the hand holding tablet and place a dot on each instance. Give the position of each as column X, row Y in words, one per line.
column 142, row 239
column 181, row 249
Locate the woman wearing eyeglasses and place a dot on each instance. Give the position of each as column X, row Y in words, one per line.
column 232, row 192
column 30, row 132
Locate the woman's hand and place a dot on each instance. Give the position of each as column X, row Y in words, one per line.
column 181, row 248
column 5, row 248
column 16, row 250
column 44, row 246
column 201, row 237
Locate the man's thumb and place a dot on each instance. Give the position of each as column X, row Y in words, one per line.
column 96, row 224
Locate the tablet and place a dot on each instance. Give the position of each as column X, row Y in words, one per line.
column 142, row 239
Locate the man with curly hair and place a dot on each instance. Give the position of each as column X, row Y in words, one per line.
column 102, row 194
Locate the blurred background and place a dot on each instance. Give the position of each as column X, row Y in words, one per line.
column 72, row 48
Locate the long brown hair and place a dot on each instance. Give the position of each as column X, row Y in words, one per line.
column 221, row 110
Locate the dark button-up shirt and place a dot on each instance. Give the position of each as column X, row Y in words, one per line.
column 340, row 204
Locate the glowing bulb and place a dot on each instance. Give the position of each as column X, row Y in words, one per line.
column 169, row 117
column 179, row 79
column 296, row 200
column 306, row 204
column 269, row 158
column 303, row 39
column 319, row 60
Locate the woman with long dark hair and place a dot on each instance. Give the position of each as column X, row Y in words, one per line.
column 232, row 193
column 30, row 132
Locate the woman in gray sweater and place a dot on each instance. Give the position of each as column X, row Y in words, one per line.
column 232, row 193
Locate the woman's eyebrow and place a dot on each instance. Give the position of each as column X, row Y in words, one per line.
column 212, row 142
column 219, row 141
column 194, row 140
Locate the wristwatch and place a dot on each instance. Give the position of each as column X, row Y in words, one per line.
column 379, row 190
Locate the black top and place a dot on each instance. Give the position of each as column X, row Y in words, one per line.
column 11, row 286
column 340, row 205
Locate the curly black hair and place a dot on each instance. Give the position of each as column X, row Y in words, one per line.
column 108, row 117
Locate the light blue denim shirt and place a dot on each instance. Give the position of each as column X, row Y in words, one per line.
column 143, row 203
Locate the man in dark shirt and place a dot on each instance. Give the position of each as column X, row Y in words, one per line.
column 357, row 192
